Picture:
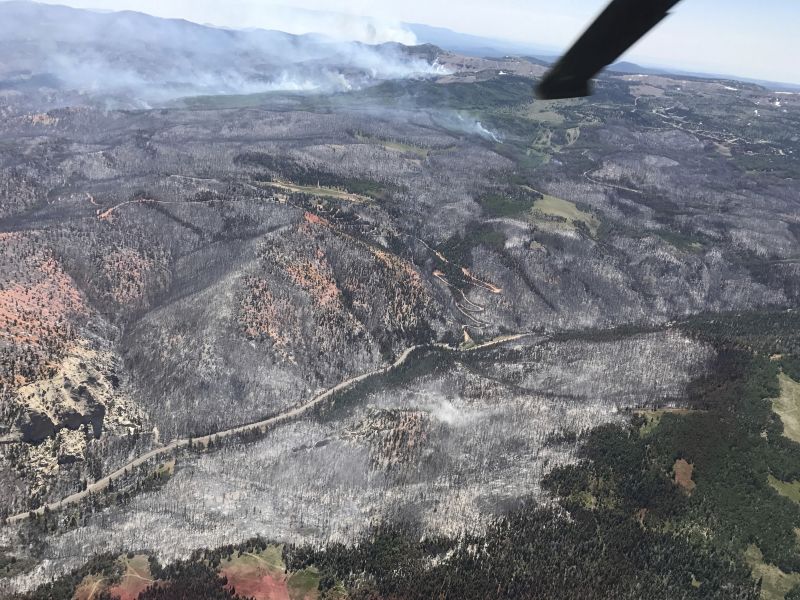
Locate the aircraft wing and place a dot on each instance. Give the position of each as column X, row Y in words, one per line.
column 620, row 26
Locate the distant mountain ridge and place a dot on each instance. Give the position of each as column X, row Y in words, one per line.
column 130, row 59
column 140, row 58
column 474, row 45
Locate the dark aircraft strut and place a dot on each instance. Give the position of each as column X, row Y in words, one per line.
column 618, row 28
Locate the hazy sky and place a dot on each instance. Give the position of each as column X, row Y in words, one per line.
column 742, row 37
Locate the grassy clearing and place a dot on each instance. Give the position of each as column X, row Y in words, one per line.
column 322, row 192
column 261, row 576
column 542, row 111
column 547, row 142
column 646, row 90
column 683, row 475
column 547, row 212
column 271, row 557
column 304, row 585
column 268, row 561
column 544, row 141
column 89, row 588
column 775, row 584
column 533, row 159
column 787, row 406
column 682, row 242
column 790, row 489
column 500, row 206
column 135, row 579
column 562, row 214
column 398, row 146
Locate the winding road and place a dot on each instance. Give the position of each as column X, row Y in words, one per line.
column 260, row 426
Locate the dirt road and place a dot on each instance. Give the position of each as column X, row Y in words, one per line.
column 261, row 426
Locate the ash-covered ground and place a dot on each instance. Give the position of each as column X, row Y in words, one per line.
column 178, row 271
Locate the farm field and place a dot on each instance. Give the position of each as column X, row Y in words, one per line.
column 787, row 406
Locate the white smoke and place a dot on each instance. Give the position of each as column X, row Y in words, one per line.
column 337, row 26
column 483, row 132
column 445, row 411
column 256, row 14
column 468, row 125
column 150, row 60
